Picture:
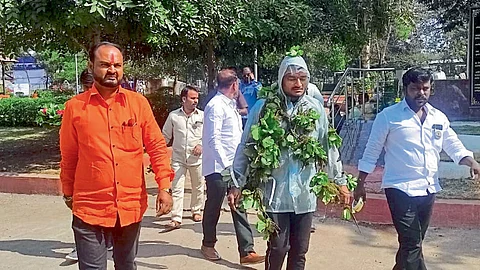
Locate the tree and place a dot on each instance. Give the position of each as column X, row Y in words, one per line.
column 61, row 66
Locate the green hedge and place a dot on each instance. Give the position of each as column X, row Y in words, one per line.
column 24, row 112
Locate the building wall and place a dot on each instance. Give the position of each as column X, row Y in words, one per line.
column 452, row 97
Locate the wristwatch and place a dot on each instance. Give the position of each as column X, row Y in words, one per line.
column 67, row 198
column 168, row 190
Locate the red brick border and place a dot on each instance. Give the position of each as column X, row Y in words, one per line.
column 30, row 183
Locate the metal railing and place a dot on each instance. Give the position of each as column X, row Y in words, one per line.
column 353, row 83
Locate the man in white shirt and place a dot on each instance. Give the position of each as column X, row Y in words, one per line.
column 183, row 129
column 413, row 133
column 439, row 74
column 222, row 133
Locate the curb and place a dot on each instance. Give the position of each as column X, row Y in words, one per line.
column 446, row 213
column 24, row 183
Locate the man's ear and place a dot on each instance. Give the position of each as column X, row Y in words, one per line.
column 90, row 66
column 184, row 99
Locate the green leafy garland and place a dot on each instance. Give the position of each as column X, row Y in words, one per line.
column 276, row 131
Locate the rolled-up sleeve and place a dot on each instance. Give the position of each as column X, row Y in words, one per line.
column 375, row 144
column 156, row 148
column 68, row 150
column 453, row 146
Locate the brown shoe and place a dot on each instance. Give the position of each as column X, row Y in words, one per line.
column 252, row 258
column 197, row 217
column 210, row 253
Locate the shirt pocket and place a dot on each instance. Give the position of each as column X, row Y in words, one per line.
column 131, row 138
column 437, row 138
column 196, row 127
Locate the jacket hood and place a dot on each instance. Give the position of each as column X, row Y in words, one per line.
column 290, row 61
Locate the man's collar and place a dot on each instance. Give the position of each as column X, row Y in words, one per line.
column 94, row 91
column 194, row 111
column 427, row 107
column 223, row 96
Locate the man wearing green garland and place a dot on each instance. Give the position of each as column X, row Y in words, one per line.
column 284, row 146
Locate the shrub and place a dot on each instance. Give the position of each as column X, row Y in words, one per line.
column 26, row 111
column 18, row 111
column 51, row 115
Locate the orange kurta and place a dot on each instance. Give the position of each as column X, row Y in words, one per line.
column 102, row 149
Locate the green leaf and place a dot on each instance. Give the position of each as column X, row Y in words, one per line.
column 268, row 142
column 255, row 130
column 260, row 226
column 346, row 214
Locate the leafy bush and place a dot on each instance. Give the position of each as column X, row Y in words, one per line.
column 18, row 111
column 45, row 110
column 51, row 115
column 163, row 102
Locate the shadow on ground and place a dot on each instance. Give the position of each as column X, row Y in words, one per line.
column 29, row 150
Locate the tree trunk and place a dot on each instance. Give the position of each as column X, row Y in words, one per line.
column 210, row 65
column 385, row 48
column 366, row 53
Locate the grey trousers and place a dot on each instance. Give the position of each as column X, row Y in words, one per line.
column 91, row 244
column 216, row 190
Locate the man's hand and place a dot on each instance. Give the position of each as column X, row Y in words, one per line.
column 473, row 164
column 345, row 195
column 475, row 170
column 197, row 151
column 233, row 197
column 68, row 201
column 359, row 191
column 164, row 203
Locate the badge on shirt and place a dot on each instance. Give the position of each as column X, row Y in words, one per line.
column 437, row 129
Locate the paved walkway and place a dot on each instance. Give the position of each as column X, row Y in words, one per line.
column 35, row 234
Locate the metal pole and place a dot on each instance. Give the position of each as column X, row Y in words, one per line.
column 346, row 99
column 76, row 74
column 255, row 64
column 3, row 78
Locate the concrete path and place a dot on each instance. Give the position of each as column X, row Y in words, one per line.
column 35, row 234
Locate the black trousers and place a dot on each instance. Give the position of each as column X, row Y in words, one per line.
column 411, row 217
column 293, row 238
column 91, row 244
column 216, row 190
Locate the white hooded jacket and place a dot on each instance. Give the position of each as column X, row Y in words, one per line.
column 288, row 187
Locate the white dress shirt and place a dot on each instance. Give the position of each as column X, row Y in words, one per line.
column 186, row 133
column 222, row 132
column 412, row 150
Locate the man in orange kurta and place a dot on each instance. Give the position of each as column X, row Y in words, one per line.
column 102, row 139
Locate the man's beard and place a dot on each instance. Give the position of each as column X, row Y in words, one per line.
column 103, row 81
